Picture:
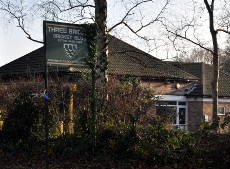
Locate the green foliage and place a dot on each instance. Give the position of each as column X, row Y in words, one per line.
column 159, row 144
column 90, row 33
column 24, row 119
column 82, row 124
column 124, row 133
column 226, row 121
column 126, row 103
column 68, row 146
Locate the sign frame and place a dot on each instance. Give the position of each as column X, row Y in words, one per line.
column 65, row 44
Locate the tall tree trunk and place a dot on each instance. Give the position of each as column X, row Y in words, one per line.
column 100, row 19
column 215, row 80
column 215, row 84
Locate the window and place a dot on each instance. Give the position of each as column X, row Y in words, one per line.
column 181, row 103
column 176, row 110
column 166, row 103
column 221, row 110
column 205, row 118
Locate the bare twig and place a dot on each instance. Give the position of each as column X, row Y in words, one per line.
column 142, row 26
column 20, row 20
column 71, row 6
column 222, row 30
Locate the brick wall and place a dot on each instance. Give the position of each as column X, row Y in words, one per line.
column 195, row 114
column 197, row 110
column 207, row 110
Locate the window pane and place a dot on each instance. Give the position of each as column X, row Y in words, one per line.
column 167, row 112
column 221, row 110
column 166, row 103
column 182, row 103
column 181, row 115
column 165, row 109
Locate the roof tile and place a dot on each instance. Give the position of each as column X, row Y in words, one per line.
column 124, row 59
column 204, row 73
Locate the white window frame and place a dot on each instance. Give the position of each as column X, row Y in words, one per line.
column 206, row 118
column 177, row 99
column 224, row 111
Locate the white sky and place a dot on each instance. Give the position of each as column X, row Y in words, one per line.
column 14, row 44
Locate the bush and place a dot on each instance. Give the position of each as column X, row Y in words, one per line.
column 24, row 120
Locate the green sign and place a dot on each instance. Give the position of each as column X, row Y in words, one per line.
column 65, row 44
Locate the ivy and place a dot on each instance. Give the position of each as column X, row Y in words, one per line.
column 90, row 33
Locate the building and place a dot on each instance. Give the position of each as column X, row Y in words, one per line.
column 184, row 88
column 199, row 96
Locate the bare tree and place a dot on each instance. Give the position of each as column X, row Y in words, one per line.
column 188, row 31
column 196, row 55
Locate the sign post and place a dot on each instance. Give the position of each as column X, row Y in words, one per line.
column 46, row 97
column 65, row 45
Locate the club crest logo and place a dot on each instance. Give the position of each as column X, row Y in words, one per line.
column 70, row 50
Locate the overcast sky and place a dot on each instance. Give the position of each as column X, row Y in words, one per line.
column 14, row 44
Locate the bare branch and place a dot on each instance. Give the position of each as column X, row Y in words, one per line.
column 222, row 30
column 136, row 31
column 71, row 6
column 127, row 14
column 209, row 7
column 157, row 17
column 20, row 21
column 142, row 26
column 190, row 40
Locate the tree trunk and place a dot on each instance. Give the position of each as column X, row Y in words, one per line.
column 102, row 33
column 215, row 84
column 215, row 79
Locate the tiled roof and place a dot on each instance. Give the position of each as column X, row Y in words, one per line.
column 204, row 73
column 124, row 59
column 31, row 62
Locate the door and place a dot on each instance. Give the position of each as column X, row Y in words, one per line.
column 180, row 121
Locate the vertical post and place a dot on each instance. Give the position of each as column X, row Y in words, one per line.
column 46, row 116
column 73, row 88
column 46, row 101
column 93, row 109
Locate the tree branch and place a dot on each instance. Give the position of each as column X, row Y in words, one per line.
column 209, row 8
column 122, row 22
column 143, row 26
column 185, row 38
column 80, row 5
column 20, row 21
column 127, row 14
column 222, row 30
column 157, row 17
